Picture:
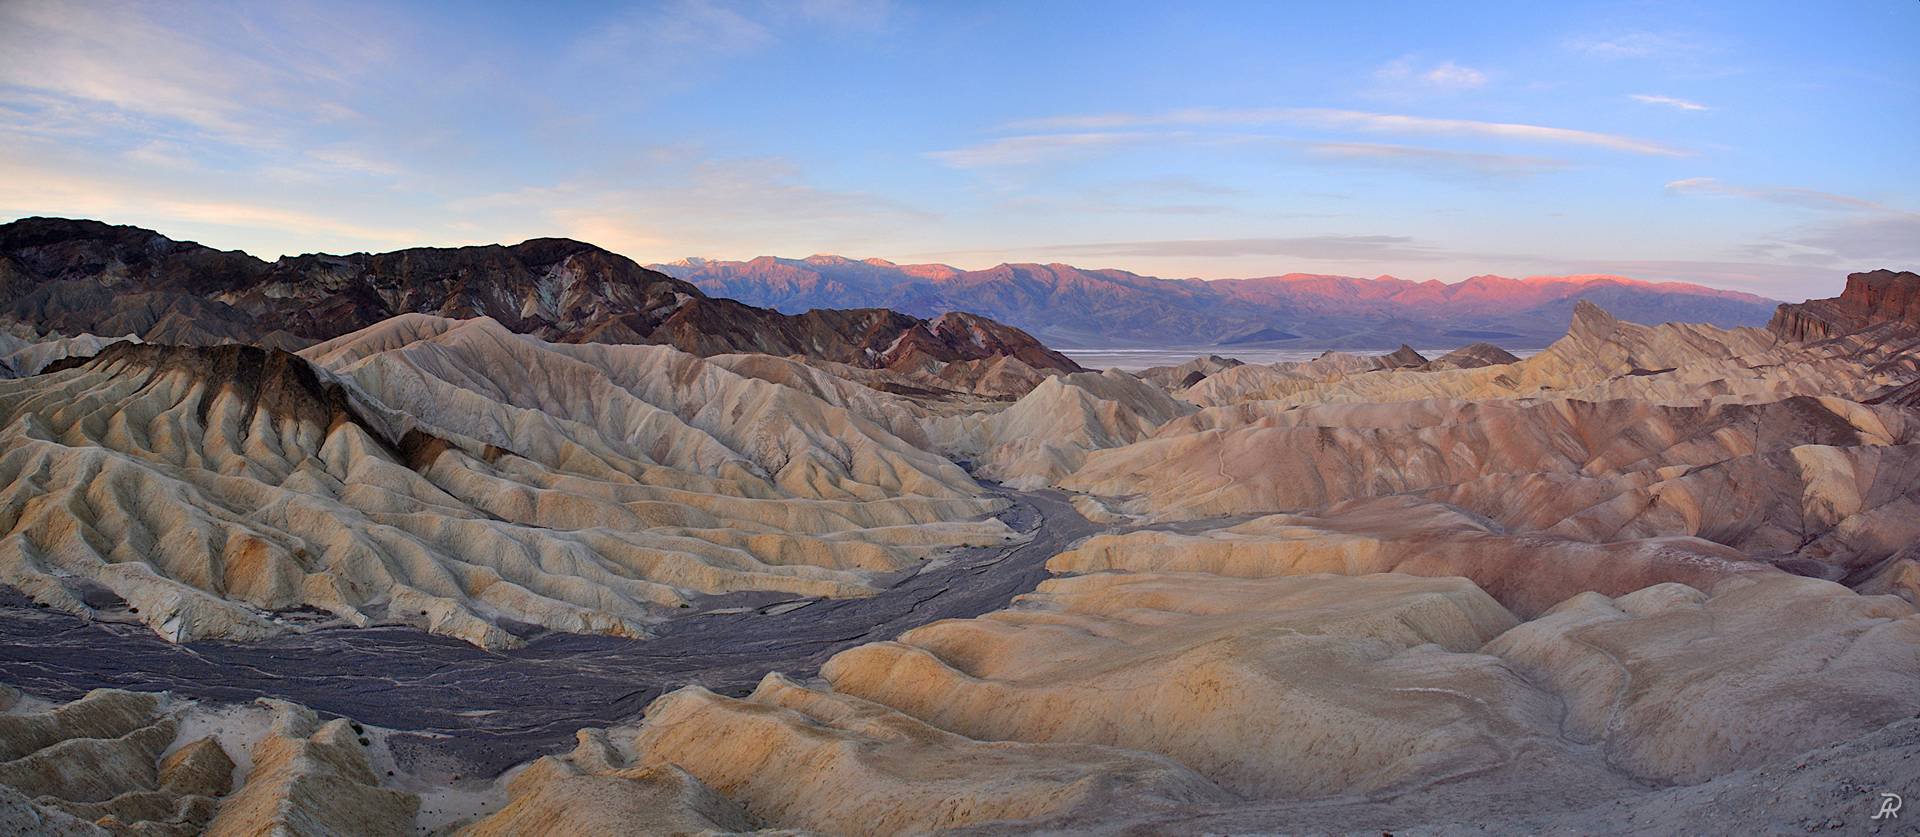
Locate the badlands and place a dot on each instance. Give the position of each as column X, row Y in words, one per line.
column 484, row 553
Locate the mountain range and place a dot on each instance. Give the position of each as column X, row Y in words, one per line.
column 73, row 277
column 1076, row 307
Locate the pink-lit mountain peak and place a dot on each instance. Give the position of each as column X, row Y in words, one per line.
column 1079, row 306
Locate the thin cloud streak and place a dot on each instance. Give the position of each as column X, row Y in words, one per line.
column 1034, row 148
column 1668, row 101
column 1634, row 45
column 1445, row 76
column 1869, row 231
column 1336, row 119
column 1428, row 158
column 1399, row 124
column 1791, row 196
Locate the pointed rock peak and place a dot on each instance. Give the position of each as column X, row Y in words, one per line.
column 1404, row 356
column 1591, row 319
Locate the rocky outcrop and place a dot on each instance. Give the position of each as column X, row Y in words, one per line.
column 593, row 790
column 1047, row 433
column 100, row 760
column 1192, row 663
column 271, row 384
column 1880, row 296
column 1838, row 475
column 1527, row 573
column 1601, row 357
column 1840, row 672
column 1187, row 374
column 1396, row 703
column 33, row 357
column 313, row 779
column 1404, row 357
column 826, row 761
column 1473, row 356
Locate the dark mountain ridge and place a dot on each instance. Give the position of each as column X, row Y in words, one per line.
column 82, row 276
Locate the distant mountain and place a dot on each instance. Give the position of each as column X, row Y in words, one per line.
column 80, row 276
column 1071, row 306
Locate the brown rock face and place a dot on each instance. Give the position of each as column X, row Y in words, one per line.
column 1473, row 357
column 1881, row 296
column 267, row 380
column 77, row 276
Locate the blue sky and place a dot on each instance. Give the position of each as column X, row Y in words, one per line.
column 1768, row 147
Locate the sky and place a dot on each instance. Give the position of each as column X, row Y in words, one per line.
column 1760, row 146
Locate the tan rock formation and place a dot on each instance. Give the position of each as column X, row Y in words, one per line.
column 99, row 760
column 1472, row 357
column 1528, row 574
column 312, row 780
column 1679, row 685
column 1049, row 431
column 32, row 357
column 1187, row 374
column 1600, row 358
column 1276, row 687
column 796, row 757
column 591, row 791
column 453, row 474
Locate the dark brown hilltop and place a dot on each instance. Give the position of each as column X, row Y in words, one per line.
column 82, row 276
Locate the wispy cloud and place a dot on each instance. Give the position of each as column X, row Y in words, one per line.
column 191, row 66
column 1400, row 124
column 1444, row 76
column 1791, row 196
column 24, row 190
column 1867, row 231
column 667, row 203
column 1633, row 45
column 648, row 35
column 1668, row 101
column 1034, row 148
column 851, row 15
column 1435, row 158
column 1320, row 118
column 1886, row 239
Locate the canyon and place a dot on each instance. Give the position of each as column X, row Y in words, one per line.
column 530, row 539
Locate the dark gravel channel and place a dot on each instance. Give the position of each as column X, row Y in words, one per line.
column 471, row 711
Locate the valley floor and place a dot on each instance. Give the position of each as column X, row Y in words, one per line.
column 458, row 710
